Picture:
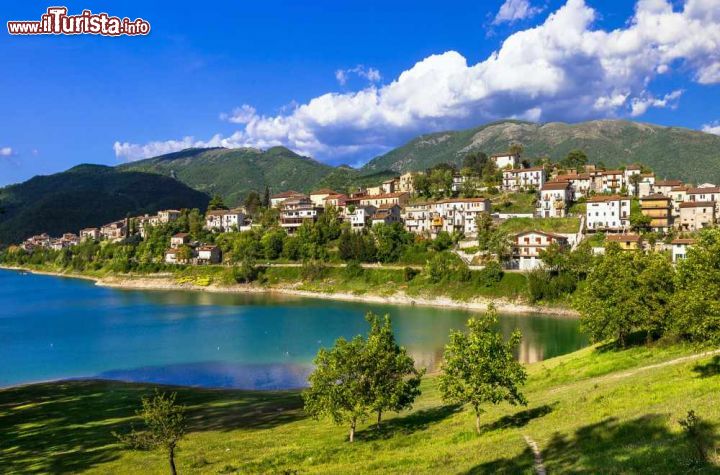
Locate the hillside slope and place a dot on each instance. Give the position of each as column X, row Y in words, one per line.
column 674, row 152
column 87, row 195
column 232, row 173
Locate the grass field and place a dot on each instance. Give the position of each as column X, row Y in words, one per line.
column 598, row 410
column 554, row 225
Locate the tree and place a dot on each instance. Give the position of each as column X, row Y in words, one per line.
column 252, row 202
column 475, row 161
column 339, row 388
column 696, row 302
column 638, row 221
column 266, row 198
column 657, row 288
column 479, row 366
column 635, row 180
column 216, row 202
column 394, row 381
column 485, row 229
column 575, row 160
column 610, row 301
column 516, row 149
column 165, row 426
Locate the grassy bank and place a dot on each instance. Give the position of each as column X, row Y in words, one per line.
column 593, row 411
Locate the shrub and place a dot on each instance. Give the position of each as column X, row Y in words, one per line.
column 312, row 270
column 409, row 274
column 697, row 433
column 491, row 274
column 246, row 273
column 353, row 270
column 447, row 266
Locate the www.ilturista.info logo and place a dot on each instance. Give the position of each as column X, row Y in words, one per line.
column 57, row 22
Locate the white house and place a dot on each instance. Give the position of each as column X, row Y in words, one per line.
column 458, row 214
column 92, row 234
column 294, row 212
column 506, row 160
column 224, row 220
column 277, row 199
column 607, row 213
column 318, row 196
column 555, row 199
column 208, row 255
column 179, row 239
column 360, row 217
column 528, row 245
column 418, row 218
column 680, row 247
column 523, row 178
column 706, row 193
column 386, row 214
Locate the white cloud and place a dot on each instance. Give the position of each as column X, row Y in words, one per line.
column 562, row 69
column 640, row 105
column 515, row 10
column 240, row 115
column 6, row 151
column 370, row 74
column 712, row 128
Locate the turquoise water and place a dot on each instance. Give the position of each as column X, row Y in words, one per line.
column 57, row 328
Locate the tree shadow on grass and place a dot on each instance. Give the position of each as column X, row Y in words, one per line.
column 519, row 419
column 642, row 445
column 416, row 421
column 68, row 427
column 711, row 368
column 638, row 338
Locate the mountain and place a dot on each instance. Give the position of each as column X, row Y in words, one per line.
column 673, row 152
column 84, row 196
column 232, row 173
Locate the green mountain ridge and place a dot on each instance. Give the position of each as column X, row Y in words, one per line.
column 84, row 196
column 673, row 152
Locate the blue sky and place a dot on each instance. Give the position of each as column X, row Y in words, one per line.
column 344, row 81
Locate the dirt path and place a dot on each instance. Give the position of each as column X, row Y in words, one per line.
column 539, row 465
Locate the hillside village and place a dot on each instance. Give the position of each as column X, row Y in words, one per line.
column 629, row 206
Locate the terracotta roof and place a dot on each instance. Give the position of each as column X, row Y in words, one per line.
column 463, row 200
column 683, row 241
column 555, row 185
column 680, row 188
column 207, row 248
column 324, row 191
column 623, row 237
column 612, row 172
column 697, row 191
column 632, row 167
column 387, row 207
column 697, row 204
column 285, row 194
column 181, row 235
column 656, row 196
column 384, row 195
column 521, row 170
column 223, row 212
column 603, row 198
column 669, row 183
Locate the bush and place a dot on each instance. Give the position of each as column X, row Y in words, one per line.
column 313, row 270
column 538, row 287
column 409, row 274
column 246, row 273
column 446, row 266
column 491, row 274
column 698, row 434
column 353, row 270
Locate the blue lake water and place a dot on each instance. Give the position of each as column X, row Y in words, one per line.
column 58, row 328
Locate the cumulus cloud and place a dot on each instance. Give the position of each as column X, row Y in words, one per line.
column 371, row 74
column 240, row 115
column 563, row 69
column 712, row 128
column 6, row 151
column 515, row 10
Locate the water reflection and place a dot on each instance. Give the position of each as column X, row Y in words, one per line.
column 72, row 328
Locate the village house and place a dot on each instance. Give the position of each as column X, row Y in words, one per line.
column 706, row 193
column 646, row 185
column 318, row 196
column 627, row 242
column 360, row 217
column 528, row 245
column 399, row 199
column 225, row 220
column 611, row 181
column 695, row 215
column 418, row 218
column 90, row 234
column 338, row 201
column 505, row 160
column 208, row 254
column 179, row 239
column 141, row 224
column 386, row 214
column 172, row 256
column 458, row 214
column 406, row 183
column 294, row 212
column 607, row 213
column 555, row 199
column 115, row 231
column 166, row 216
column 580, row 184
column 664, row 187
column 373, row 190
column 679, row 248
column 277, row 199
column 659, row 209
column 388, row 186
column 630, row 171
column 523, row 178
column 678, row 195
column 39, row 240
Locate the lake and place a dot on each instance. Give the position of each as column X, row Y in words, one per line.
column 60, row 328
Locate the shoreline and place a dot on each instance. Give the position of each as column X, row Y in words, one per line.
column 165, row 282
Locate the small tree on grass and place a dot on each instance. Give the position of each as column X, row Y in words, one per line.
column 165, row 426
column 479, row 366
column 339, row 387
column 394, row 380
